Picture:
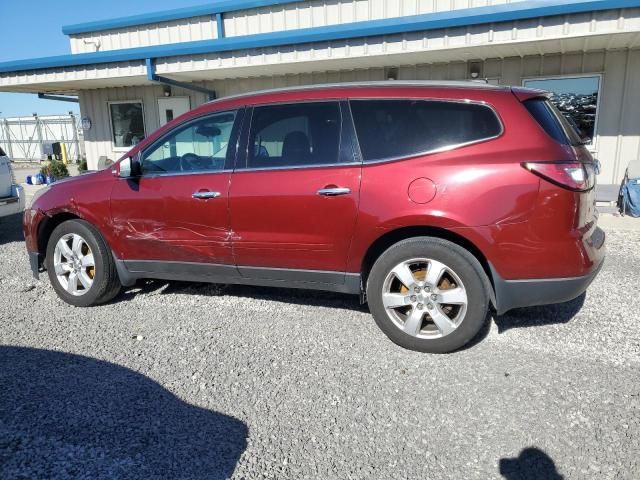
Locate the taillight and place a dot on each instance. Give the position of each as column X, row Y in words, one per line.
column 575, row 176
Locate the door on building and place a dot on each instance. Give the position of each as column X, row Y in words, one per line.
column 172, row 107
column 294, row 193
column 177, row 209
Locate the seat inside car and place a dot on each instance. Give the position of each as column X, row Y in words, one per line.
column 296, row 148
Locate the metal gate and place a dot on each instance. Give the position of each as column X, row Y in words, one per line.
column 23, row 138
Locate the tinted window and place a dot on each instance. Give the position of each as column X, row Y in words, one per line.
column 294, row 135
column 401, row 128
column 541, row 110
column 202, row 145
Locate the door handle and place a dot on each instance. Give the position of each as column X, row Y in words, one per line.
column 334, row 191
column 205, row 195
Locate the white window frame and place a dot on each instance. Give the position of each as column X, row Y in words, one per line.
column 144, row 126
column 594, row 144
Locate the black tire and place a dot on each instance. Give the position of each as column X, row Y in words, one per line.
column 465, row 266
column 106, row 284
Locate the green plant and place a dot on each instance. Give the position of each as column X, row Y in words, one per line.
column 82, row 166
column 55, row 168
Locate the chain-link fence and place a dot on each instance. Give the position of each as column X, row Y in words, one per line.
column 24, row 138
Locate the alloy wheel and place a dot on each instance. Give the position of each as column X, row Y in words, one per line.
column 74, row 264
column 424, row 298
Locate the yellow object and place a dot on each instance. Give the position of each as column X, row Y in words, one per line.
column 63, row 152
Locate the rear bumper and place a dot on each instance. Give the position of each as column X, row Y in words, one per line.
column 510, row 294
column 13, row 204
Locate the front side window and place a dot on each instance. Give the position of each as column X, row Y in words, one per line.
column 127, row 123
column 199, row 146
column 294, row 135
column 389, row 129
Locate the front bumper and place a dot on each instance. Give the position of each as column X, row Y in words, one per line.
column 510, row 294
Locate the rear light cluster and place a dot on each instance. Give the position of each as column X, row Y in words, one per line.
column 575, row 176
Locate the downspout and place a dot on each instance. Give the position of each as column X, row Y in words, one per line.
column 153, row 77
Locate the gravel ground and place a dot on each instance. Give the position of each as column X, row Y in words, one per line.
column 186, row 380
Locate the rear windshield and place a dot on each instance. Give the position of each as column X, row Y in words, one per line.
column 553, row 122
column 400, row 128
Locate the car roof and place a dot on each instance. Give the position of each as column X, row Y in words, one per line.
column 471, row 84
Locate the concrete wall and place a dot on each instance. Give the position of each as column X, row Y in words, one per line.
column 618, row 132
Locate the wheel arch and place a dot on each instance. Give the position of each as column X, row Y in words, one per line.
column 48, row 225
column 382, row 243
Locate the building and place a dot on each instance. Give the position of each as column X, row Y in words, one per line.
column 133, row 74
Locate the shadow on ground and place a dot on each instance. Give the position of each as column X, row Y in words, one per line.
column 531, row 464
column 314, row 298
column 540, row 316
column 69, row 416
column 11, row 229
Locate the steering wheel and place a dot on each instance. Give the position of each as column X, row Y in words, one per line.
column 191, row 161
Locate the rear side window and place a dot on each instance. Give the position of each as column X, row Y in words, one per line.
column 2, row 154
column 400, row 128
column 295, row 135
column 553, row 122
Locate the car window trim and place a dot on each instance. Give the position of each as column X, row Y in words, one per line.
column 235, row 131
column 433, row 151
column 242, row 160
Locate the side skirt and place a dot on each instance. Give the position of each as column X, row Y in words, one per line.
column 131, row 270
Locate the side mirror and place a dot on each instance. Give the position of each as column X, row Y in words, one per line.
column 129, row 167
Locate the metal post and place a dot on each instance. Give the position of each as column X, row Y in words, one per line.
column 39, row 133
column 8, row 136
column 76, row 142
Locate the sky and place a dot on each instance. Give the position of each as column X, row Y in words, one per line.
column 33, row 28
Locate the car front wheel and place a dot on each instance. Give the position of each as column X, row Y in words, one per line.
column 428, row 294
column 80, row 265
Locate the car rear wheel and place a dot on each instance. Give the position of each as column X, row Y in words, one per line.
column 80, row 265
column 428, row 294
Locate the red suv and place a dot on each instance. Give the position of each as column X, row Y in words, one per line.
column 432, row 202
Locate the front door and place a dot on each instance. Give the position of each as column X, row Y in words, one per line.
column 294, row 195
column 177, row 210
column 172, row 107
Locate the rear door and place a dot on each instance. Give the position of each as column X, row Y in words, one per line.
column 295, row 191
column 177, row 210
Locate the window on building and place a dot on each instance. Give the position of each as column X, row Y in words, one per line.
column 295, row 135
column 576, row 98
column 200, row 146
column 127, row 123
column 401, row 128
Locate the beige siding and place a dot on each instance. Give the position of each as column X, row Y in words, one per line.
column 175, row 31
column 318, row 13
column 617, row 137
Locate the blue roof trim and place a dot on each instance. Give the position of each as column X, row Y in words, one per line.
column 456, row 18
column 168, row 15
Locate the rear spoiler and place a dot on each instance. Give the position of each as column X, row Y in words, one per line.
column 523, row 94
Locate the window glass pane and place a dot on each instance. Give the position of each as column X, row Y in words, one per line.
column 202, row 145
column 541, row 110
column 401, row 128
column 295, row 135
column 577, row 99
column 127, row 124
